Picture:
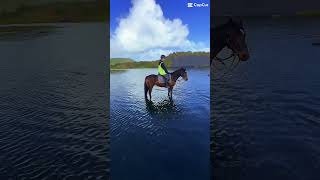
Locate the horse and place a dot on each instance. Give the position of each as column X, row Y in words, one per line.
column 152, row 80
column 231, row 35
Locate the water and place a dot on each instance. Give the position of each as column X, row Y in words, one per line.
column 53, row 102
column 266, row 114
column 159, row 140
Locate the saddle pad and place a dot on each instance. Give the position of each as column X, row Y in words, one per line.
column 161, row 78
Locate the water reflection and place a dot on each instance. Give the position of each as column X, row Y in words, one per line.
column 118, row 71
column 53, row 102
column 164, row 107
column 26, row 32
column 155, row 135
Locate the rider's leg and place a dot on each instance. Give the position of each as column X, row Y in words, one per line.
column 167, row 79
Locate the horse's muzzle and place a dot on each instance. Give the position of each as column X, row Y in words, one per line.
column 244, row 56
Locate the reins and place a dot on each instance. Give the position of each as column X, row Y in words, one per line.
column 233, row 66
column 172, row 79
column 221, row 60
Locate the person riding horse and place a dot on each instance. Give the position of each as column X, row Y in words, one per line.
column 163, row 71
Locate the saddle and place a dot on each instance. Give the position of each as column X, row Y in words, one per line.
column 161, row 79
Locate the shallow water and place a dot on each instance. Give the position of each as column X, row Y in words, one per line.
column 266, row 114
column 53, row 102
column 162, row 140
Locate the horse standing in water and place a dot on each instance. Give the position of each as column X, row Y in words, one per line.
column 231, row 35
column 152, row 80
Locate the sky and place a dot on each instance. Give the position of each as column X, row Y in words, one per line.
column 145, row 29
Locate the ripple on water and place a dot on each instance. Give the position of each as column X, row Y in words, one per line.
column 54, row 115
column 162, row 135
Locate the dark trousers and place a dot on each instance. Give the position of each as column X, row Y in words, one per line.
column 166, row 78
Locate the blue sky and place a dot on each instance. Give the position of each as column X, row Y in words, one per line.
column 197, row 21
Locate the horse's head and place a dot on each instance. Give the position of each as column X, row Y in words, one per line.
column 236, row 40
column 184, row 73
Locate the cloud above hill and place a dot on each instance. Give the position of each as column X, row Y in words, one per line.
column 145, row 33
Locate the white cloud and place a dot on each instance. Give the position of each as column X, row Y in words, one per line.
column 145, row 34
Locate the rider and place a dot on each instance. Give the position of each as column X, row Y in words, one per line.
column 163, row 71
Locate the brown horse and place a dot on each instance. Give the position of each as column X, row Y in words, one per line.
column 231, row 35
column 152, row 80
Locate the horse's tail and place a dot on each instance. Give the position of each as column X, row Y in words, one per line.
column 145, row 89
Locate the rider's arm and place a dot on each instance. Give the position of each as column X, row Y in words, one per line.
column 164, row 68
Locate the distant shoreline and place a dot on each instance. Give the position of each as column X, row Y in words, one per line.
column 307, row 12
column 172, row 68
column 57, row 12
column 176, row 59
column 30, row 24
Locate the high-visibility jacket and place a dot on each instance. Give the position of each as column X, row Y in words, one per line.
column 161, row 71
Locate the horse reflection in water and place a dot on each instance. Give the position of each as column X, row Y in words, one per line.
column 163, row 107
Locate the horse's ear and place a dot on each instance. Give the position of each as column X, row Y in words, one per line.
column 241, row 23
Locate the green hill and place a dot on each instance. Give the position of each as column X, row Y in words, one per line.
column 308, row 13
column 173, row 60
column 114, row 61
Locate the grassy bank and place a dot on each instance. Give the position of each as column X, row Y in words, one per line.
column 115, row 61
column 91, row 11
column 114, row 64
column 308, row 14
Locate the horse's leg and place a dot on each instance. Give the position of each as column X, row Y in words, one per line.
column 146, row 89
column 170, row 92
column 150, row 91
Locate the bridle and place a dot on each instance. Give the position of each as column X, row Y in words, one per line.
column 232, row 56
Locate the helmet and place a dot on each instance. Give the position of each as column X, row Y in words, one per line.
column 163, row 56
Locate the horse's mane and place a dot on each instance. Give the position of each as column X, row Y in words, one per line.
column 178, row 71
column 229, row 23
column 221, row 26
